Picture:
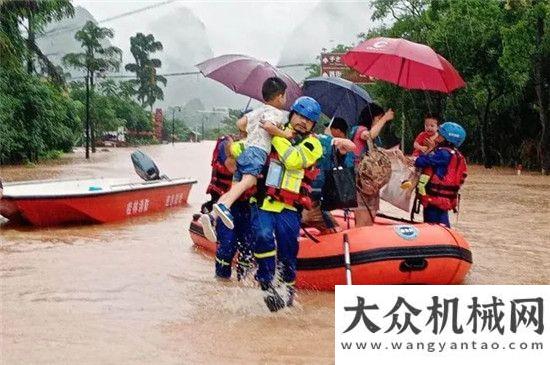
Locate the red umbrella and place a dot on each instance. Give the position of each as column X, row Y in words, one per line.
column 404, row 63
column 245, row 75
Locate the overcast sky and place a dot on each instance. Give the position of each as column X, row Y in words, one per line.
column 231, row 25
column 257, row 28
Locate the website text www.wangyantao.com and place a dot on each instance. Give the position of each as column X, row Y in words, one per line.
column 440, row 346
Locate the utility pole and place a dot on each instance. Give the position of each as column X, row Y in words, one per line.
column 173, row 120
column 87, row 125
column 90, row 128
column 203, row 116
column 92, row 122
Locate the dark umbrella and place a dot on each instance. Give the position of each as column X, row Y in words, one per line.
column 245, row 75
column 338, row 97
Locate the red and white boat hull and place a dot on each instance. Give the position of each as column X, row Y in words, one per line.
column 105, row 201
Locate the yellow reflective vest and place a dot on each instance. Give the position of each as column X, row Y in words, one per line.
column 295, row 160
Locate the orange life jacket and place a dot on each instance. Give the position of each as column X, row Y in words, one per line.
column 302, row 199
column 221, row 179
column 443, row 192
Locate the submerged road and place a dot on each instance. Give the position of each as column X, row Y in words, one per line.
column 139, row 292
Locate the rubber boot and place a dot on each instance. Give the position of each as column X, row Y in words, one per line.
column 291, row 294
column 272, row 299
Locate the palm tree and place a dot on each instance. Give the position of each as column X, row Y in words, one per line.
column 146, row 87
column 95, row 58
column 31, row 16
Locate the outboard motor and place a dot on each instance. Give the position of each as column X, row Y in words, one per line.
column 145, row 167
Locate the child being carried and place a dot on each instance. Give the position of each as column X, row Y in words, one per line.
column 261, row 125
column 423, row 144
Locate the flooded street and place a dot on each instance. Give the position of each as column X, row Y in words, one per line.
column 138, row 292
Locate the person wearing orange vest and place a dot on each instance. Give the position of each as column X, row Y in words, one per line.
column 229, row 240
column 282, row 193
column 444, row 170
column 223, row 167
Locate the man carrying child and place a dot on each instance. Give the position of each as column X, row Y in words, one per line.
column 261, row 125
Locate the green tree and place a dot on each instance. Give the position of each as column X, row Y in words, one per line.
column 36, row 117
column 496, row 51
column 29, row 17
column 474, row 46
column 134, row 117
column 526, row 59
column 95, row 58
column 146, row 84
column 113, row 107
column 180, row 129
column 398, row 9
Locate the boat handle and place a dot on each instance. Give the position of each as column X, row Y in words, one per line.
column 413, row 264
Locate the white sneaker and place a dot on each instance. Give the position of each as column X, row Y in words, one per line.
column 225, row 215
column 208, row 227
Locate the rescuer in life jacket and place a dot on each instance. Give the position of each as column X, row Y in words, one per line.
column 445, row 171
column 239, row 239
column 223, row 167
column 283, row 193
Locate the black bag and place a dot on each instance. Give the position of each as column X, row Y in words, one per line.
column 339, row 191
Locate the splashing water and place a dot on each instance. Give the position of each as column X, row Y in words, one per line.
column 138, row 292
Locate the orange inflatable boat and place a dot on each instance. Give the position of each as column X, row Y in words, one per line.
column 392, row 251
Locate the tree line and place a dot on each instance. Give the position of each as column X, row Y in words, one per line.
column 501, row 49
column 43, row 109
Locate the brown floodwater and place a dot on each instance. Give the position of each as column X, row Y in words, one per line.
column 139, row 292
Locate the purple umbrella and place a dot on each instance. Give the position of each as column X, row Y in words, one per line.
column 245, row 75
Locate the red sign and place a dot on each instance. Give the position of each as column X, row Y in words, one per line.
column 332, row 66
column 157, row 125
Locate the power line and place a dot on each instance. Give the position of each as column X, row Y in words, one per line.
column 134, row 76
column 186, row 73
column 296, row 65
column 122, row 15
column 115, row 17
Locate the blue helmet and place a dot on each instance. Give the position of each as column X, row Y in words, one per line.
column 307, row 107
column 453, row 133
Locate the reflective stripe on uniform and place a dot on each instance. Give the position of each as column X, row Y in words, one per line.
column 304, row 158
column 245, row 263
column 292, row 283
column 222, row 262
column 264, row 255
column 287, row 153
column 290, row 150
column 292, row 180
